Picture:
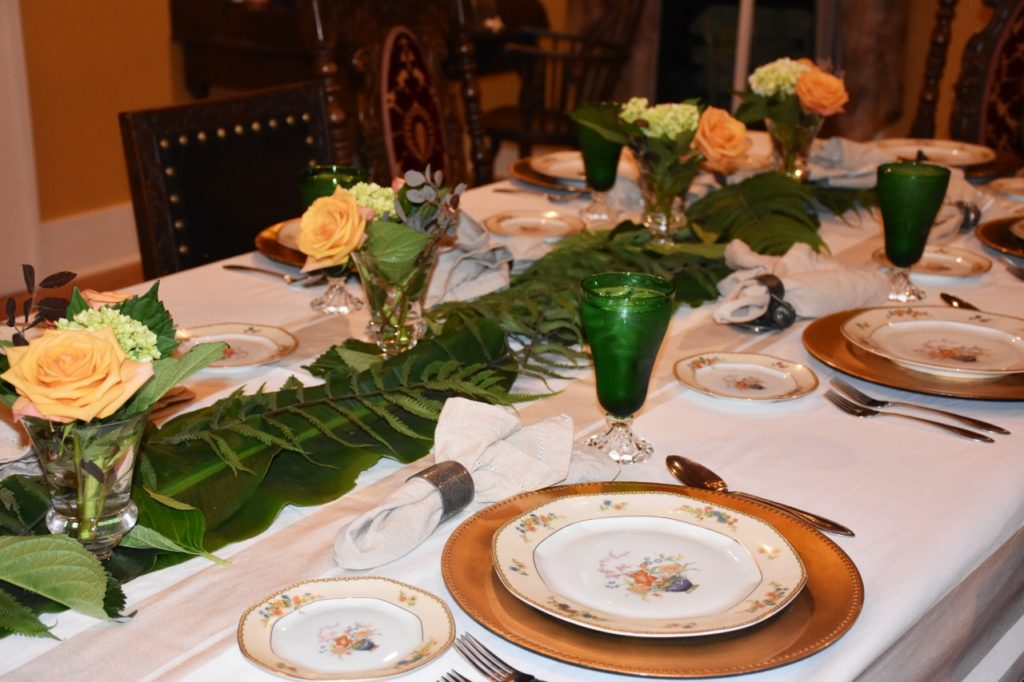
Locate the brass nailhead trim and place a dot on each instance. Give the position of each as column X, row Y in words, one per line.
column 179, row 224
column 305, row 116
column 183, row 249
column 174, row 199
column 309, row 139
column 221, row 133
column 165, row 143
column 201, row 136
column 183, row 139
column 256, row 127
column 272, row 123
column 289, row 119
column 239, row 129
column 169, row 171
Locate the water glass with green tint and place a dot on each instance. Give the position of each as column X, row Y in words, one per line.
column 321, row 181
column 909, row 195
column 625, row 316
column 601, row 165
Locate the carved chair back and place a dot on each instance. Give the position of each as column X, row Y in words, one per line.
column 207, row 177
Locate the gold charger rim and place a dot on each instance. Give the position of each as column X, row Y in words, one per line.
column 996, row 234
column 823, row 338
column 523, row 171
column 267, row 244
column 825, row 609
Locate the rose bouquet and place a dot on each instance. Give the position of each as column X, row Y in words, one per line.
column 83, row 390
column 792, row 97
column 393, row 236
column 670, row 143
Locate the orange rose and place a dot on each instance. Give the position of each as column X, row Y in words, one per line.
column 98, row 299
column 820, row 92
column 73, row 374
column 720, row 136
column 330, row 229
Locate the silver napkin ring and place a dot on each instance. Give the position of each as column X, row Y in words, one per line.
column 455, row 484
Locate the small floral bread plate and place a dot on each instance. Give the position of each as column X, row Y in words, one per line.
column 248, row 344
column 746, row 376
column 944, row 261
column 946, row 152
column 647, row 564
column 533, row 224
column 950, row 342
column 364, row 628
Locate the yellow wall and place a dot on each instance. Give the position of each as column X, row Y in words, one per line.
column 87, row 61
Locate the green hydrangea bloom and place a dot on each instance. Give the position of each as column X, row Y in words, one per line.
column 663, row 120
column 776, row 78
column 136, row 339
column 372, row 195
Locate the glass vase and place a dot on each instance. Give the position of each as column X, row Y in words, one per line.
column 336, row 299
column 396, row 307
column 88, row 468
column 663, row 204
column 791, row 145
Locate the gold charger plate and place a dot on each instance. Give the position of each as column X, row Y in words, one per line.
column 997, row 234
column 267, row 244
column 523, row 170
column 823, row 611
column 824, row 339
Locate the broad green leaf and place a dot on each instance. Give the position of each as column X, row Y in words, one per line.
column 168, row 372
column 18, row 619
column 56, row 567
column 168, row 525
column 150, row 311
column 395, row 248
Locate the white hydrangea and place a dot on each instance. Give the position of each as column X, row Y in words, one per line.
column 663, row 120
column 372, row 195
column 136, row 339
column 777, row 78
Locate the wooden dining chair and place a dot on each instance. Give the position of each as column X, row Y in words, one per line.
column 207, row 177
column 559, row 72
column 401, row 72
column 989, row 102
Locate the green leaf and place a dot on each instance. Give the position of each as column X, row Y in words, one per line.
column 77, row 304
column 55, row 567
column 603, row 119
column 168, row 525
column 168, row 372
column 18, row 619
column 150, row 311
column 395, row 248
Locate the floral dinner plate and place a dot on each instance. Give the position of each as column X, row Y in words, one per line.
column 567, row 166
column 647, row 564
column 950, row 342
column 533, row 223
column 248, row 344
column 946, row 152
column 943, row 261
column 746, row 376
column 363, row 628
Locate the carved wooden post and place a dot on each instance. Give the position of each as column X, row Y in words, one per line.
column 924, row 122
column 466, row 64
column 321, row 37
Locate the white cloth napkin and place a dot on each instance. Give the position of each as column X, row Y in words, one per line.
column 472, row 268
column 504, row 457
column 839, row 162
column 816, row 284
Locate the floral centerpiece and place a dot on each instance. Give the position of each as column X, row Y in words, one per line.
column 793, row 97
column 670, row 143
column 83, row 390
column 393, row 235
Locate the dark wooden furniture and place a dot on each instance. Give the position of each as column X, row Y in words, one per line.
column 558, row 73
column 207, row 177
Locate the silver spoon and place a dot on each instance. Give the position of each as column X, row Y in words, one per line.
column 248, row 268
column 696, row 475
column 957, row 302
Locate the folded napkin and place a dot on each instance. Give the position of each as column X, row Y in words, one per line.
column 504, row 459
column 816, row 284
column 839, row 162
column 472, row 268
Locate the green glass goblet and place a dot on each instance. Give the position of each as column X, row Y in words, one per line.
column 625, row 316
column 910, row 195
column 321, row 180
column 601, row 165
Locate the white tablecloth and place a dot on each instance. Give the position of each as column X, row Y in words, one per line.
column 938, row 519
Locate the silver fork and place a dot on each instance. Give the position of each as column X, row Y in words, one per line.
column 856, row 410
column 454, row 676
column 865, row 399
column 487, row 663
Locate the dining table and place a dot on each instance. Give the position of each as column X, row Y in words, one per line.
column 939, row 520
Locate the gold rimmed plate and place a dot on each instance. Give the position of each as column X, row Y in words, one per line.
column 533, row 224
column 820, row 614
column 248, row 344
column 524, row 170
column 364, row 628
column 277, row 242
column 745, row 376
column 943, row 261
column 946, row 152
column 1001, row 236
column 823, row 338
